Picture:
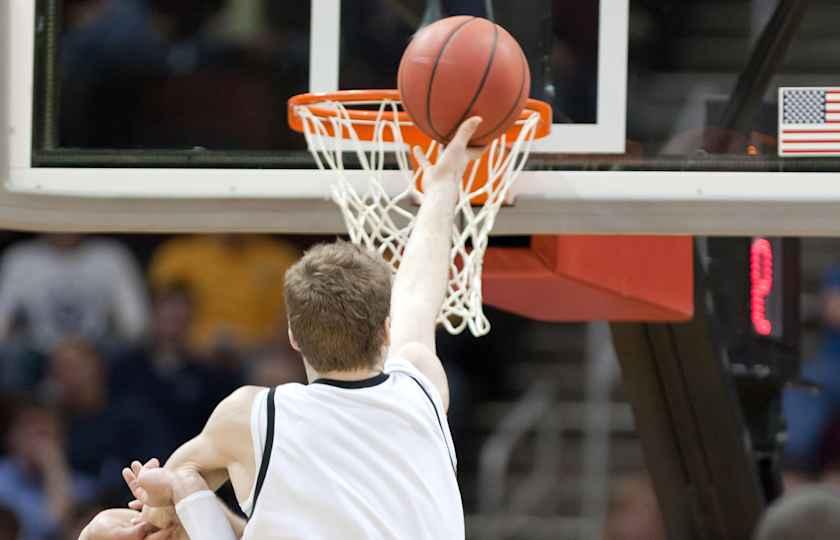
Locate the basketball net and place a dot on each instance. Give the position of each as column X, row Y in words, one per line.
column 383, row 222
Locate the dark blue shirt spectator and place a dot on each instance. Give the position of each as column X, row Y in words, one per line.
column 182, row 388
column 36, row 482
column 809, row 413
column 104, row 432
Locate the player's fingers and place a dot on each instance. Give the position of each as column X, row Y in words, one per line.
column 465, row 132
column 134, row 485
column 136, row 504
column 129, row 476
column 152, row 464
column 136, row 466
column 421, row 158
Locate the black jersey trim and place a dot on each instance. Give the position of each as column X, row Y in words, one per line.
column 352, row 385
column 440, row 422
column 269, row 444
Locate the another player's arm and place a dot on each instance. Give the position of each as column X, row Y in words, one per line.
column 222, row 450
column 420, row 284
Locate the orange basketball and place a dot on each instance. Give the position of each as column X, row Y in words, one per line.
column 460, row 67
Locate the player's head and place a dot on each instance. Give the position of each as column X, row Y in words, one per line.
column 77, row 374
column 811, row 513
column 338, row 297
column 33, row 425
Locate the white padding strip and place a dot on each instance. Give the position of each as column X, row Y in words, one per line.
column 202, row 517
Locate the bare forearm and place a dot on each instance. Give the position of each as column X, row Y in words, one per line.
column 420, row 285
column 188, row 459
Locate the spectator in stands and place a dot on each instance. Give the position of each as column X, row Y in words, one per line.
column 380, row 30
column 236, row 282
column 183, row 388
column 66, row 285
column 811, row 513
column 110, row 48
column 9, row 524
column 634, row 511
column 809, row 414
column 574, row 59
column 103, row 432
column 36, row 482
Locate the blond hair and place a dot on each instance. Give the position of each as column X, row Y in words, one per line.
column 338, row 297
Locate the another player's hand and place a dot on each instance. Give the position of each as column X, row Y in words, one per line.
column 119, row 524
column 150, row 485
column 454, row 159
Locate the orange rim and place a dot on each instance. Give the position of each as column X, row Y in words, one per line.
column 365, row 120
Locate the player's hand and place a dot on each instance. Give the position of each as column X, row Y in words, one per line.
column 175, row 531
column 118, row 524
column 454, row 159
column 149, row 483
column 152, row 489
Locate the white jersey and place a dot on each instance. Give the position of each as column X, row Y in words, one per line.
column 355, row 460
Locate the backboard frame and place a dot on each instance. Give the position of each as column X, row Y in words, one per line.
column 296, row 201
column 606, row 135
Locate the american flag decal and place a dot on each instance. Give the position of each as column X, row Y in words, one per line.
column 809, row 122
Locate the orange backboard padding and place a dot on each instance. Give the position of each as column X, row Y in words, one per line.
column 583, row 278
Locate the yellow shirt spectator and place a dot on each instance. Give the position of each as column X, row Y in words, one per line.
column 236, row 282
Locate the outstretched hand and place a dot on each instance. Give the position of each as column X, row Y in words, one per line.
column 150, row 485
column 117, row 524
column 454, row 159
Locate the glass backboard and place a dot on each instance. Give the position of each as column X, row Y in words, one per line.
column 214, row 76
column 690, row 93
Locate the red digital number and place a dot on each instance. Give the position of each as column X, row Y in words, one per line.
column 761, row 283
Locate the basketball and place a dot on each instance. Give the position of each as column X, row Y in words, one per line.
column 460, row 67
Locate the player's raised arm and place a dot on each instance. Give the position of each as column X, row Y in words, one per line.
column 420, row 284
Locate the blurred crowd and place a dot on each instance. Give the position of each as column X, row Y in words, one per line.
column 118, row 348
column 114, row 350
column 103, row 361
column 109, row 353
column 242, row 59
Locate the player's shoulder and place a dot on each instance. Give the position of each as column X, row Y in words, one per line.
column 237, row 405
column 418, row 361
column 244, row 398
column 231, row 419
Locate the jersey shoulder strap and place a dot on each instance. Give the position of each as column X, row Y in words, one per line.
column 269, row 444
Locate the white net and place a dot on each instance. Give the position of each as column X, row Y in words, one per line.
column 383, row 221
